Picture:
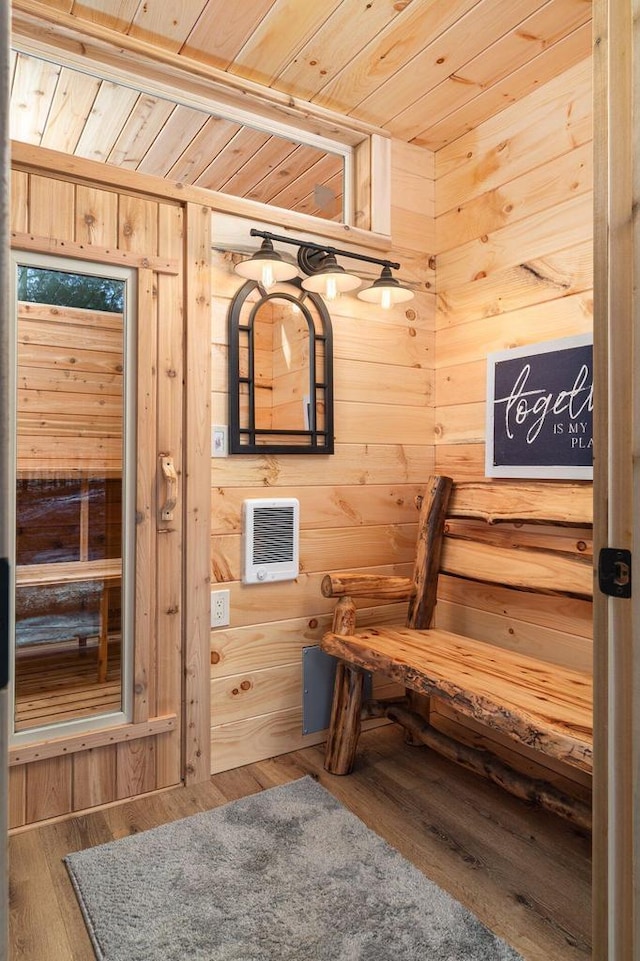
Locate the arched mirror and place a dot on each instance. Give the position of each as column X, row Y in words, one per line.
column 280, row 371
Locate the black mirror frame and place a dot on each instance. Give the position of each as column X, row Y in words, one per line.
column 319, row 441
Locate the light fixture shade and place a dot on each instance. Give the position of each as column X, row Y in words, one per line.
column 386, row 291
column 330, row 279
column 266, row 266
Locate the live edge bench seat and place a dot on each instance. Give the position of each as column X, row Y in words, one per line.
column 543, row 705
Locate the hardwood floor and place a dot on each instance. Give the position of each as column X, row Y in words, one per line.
column 525, row 873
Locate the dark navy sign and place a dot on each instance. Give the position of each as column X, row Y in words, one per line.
column 540, row 410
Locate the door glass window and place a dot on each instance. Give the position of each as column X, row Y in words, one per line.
column 70, row 613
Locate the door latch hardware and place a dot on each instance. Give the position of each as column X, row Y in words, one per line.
column 614, row 572
column 171, row 481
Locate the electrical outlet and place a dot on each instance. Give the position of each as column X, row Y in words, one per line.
column 219, row 608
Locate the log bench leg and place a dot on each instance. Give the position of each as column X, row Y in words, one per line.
column 419, row 704
column 344, row 728
column 345, row 724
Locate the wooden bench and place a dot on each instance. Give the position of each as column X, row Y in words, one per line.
column 108, row 571
column 498, row 534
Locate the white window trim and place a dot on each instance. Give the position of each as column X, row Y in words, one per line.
column 182, row 89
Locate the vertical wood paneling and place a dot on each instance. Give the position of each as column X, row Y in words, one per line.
column 136, row 767
column 49, row 788
column 96, row 216
column 51, row 208
column 94, row 777
column 17, row 796
column 198, row 280
column 147, row 471
column 19, row 213
column 138, row 225
column 168, row 676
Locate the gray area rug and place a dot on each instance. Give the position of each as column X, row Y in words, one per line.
column 285, row 875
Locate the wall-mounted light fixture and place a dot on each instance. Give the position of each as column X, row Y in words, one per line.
column 323, row 274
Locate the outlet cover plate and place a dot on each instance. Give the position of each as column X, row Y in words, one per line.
column 219, row 608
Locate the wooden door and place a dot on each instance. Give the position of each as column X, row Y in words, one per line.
column 140, row 749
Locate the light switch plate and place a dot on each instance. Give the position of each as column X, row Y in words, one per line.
column 219, row 441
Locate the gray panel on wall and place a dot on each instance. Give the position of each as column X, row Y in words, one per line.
column 318, row 675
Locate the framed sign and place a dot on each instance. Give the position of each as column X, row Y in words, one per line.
column 540, row 410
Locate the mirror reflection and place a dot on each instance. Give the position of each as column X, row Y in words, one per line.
column 280, row 371
column 282, row 354
column 68, row 659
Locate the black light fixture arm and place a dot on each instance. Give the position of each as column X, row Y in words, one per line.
column 322, row 248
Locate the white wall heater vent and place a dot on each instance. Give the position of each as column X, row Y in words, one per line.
column 270, row 539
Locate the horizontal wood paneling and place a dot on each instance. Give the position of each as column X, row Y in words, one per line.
column 459, row 344
column 273, row 644
column 327, row 507
column 357, row 506
column 536, row 281
column 322, row 551
column 541, row 234
column 296, row 598
column 549, row 644
column 353, row 379
column 70, row 388
column 552, row 121
column 413, row 198
column 568, row 615
column 255, row 693
column 400, row 338
column 514, row 226
column 357, row 464
column 256, row 737
column 538, row 189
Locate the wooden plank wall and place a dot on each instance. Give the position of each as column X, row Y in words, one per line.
column 514, row 227
column 70, row 390
column 357, row 506
column 54, row 213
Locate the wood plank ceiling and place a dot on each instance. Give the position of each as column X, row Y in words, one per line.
column 427, row 71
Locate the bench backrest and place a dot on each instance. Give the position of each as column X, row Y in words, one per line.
column 526, row 535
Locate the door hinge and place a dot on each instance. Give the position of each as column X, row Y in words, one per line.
column 614, row 572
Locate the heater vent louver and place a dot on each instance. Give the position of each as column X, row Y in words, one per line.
column 270, row 535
